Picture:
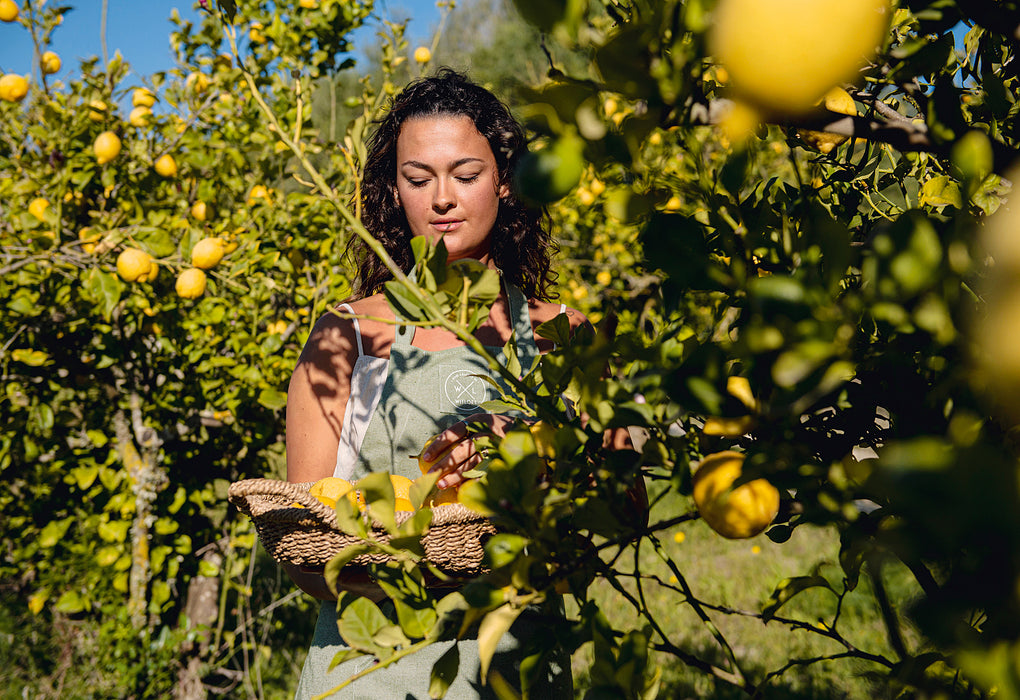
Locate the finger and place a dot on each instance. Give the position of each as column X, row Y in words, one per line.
column 456, row 477
column 450, row 460
column 442, row 442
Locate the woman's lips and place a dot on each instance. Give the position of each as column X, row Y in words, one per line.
column 447, row 225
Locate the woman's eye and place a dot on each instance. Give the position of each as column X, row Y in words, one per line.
column 414, row 182
column 467, row 178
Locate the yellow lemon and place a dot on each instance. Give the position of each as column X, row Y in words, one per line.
column 13, row 87
column 443, row 497
column 134, row 265
column 422, row 54
column 142, row 97
column 49, row 63
column 197, row 83
column 604, row 277
column 165, row 165
column 190, row 283
column 207, row 253
column 255, row 34
column 106, row 147
column 97, row 110
column 38, row 206
column 785, row 54
column 140, row 117
column 425, row 464
column 545, row 439
column 401, row 486
column 836, row 100
column 735, row 513
column 258, row 192
column 728, row 427
column 88, row 239
column 199, row 211
column 331, row 489
column 309, row 4
column 8, row 11
column 674, row 203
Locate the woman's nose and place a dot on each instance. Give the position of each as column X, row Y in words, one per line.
column 444, row 199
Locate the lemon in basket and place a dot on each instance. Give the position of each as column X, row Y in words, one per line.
column 401, row 492
column 332, row 489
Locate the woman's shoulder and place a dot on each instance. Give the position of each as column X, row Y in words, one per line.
column 367, row 321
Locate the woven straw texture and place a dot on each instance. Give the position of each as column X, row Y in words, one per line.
column 306, row 534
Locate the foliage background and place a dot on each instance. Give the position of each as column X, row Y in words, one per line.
column 851, row 289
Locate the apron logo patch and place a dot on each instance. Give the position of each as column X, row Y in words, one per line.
column 465, row 391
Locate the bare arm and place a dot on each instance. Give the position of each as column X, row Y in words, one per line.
column 316, row 401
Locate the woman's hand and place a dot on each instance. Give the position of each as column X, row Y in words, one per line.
column 452, row 452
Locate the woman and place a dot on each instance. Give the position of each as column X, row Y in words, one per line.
column 366, row 393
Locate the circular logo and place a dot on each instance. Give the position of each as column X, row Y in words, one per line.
column 465, row 390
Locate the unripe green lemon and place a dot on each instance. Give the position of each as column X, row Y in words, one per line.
column 550, row 174
column 785, row 54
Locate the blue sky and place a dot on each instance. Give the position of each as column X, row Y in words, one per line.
column 140, row 29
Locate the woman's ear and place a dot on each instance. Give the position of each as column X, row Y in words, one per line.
column 504, row 191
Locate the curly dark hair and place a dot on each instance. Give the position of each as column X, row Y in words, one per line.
column 521, row 247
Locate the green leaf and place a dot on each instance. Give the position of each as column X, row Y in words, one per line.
column 272, row 399
column 502, row 549
column 345, row 655
column 493, row 627
column 444, row 670
column 379, row 498
column 787, row 589
column 71, row 602
column 359, row 623
column 32, row 358
column 53, row 532
column 941, row 191
column 103, row 289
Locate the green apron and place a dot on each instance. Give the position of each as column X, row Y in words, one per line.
column 426, row 392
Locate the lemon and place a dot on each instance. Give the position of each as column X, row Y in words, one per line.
column 140, row 117
column 258, row 192
column 425, row 464
column 674, row 203
column 331, row 489
column 207, row 253
column 106, row 147
column 309, row 4
column 49, row 63
column 422, row 54
column 13, row 87
column 255, row 34
column 836, row 100
column 190, row 283
column 604, row 277
column 88, row 239
column 728, row 427
column 97, row 110
column 38, row 206
column 784, row 55
column 197, row 83
column 443, row 497
column 134, row 265
column 142, row 97
column 199, row 211
column 8, row 11
column 166, row 166
column 544, row 435
column 735, row 513
column 401, row 485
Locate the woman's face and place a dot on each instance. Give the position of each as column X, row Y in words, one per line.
column 448, row 184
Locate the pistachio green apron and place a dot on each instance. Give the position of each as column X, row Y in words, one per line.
column 426, row 392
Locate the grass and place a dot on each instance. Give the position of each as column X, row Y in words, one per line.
column 741, row 575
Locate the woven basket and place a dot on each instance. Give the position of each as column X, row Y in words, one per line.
column 308, row 535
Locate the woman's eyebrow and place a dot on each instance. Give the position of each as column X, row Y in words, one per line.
column 453, row 165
